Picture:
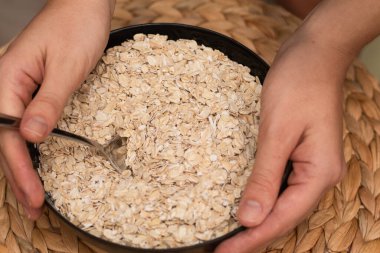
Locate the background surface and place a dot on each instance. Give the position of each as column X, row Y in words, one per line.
column 15, row 14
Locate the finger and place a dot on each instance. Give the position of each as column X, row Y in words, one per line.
column 263, row 185
column 15, row 90
column 8, row 174
column 43, row 112
column 22, row 177
column 283, row 217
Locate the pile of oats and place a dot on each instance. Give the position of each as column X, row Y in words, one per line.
column 190, row 118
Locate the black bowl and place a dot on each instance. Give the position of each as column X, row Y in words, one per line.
column 236, row 52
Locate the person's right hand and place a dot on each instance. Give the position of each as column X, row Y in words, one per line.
column 55, row 52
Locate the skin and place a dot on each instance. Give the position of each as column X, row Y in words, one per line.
column 299, row 8
column 302, row 93
column 56, row 51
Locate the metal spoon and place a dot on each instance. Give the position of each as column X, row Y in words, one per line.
column 107, row 151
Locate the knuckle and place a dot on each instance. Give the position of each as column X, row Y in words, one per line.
column 49, row 102
column 335, row 172
column 15, row 80
column 8, row 71
column 266, row 130
column 263, row 182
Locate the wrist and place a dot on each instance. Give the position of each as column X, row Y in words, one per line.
column 315, row 54
column 76, row 15
column 346, row 26
column 104, row 8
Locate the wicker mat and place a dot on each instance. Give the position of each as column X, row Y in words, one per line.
column 348, row 217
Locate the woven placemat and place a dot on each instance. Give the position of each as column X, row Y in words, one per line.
column 346, row 219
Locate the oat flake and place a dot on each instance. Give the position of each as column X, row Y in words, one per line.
column 190, row 117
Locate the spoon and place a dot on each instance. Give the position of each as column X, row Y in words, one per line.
column 107, row 150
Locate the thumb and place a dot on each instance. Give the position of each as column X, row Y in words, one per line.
column 263, row 185
column 43, row 112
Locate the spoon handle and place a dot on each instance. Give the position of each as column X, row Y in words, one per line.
column 11, row 122
column 67, row 135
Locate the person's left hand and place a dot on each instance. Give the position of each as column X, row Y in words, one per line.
column 301, row 121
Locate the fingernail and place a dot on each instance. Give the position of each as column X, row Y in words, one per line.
column 250, row 210
column 28, row 215
column 36, row 126
column 30, row 212
column 27, row 210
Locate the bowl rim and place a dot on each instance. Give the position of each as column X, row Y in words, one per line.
column 204, row 244
column 114, row 41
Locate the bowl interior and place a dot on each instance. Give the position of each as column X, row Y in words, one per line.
column 236, row 52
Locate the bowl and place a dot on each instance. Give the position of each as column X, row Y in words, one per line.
column 236, row 52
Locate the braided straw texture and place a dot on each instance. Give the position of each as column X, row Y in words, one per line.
column 347, row 219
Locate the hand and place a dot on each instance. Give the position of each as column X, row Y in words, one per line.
column 56, row 51
column 301, row 120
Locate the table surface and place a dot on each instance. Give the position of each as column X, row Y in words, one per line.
column 15, row 14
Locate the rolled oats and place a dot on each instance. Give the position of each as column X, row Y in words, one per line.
column 190, row 119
